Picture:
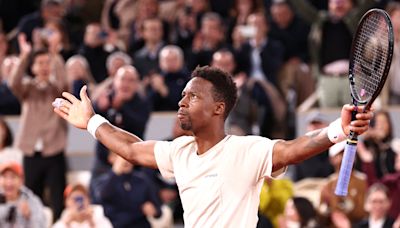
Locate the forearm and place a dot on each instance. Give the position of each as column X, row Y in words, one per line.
column 59, row 72
column 17, row 73
column 127, row 145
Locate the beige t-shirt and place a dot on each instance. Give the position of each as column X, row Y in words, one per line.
column 220, row 188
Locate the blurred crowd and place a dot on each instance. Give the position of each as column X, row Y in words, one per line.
column 136, row 56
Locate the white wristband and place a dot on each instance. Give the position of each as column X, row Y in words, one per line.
column 335, row 131
column 94, row 123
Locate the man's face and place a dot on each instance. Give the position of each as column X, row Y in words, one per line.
column 41, row 66
column 339, row 8
column 258, row 21
column 170, row 61
column 224, row 61
column 196, row 108
column 11, row 183
column 211, row 30
column 126, row 83
column 152, row 31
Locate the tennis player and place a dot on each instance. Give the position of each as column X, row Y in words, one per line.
column 219, row 176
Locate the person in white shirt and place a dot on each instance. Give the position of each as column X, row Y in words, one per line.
column 219, row 176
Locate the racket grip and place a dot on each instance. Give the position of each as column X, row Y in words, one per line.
column 346, row 168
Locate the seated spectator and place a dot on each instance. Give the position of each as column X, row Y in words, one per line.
column 299, row 212
column 54, row 37
column 390, row 180
column 165, row 88
column 20, row 207
column 96, row 48
column 114, row 61
column 377, row 204
column 351, row 205
column 128, row 196
column 124, row 106
column 7, row 152
column 319, row 165
column 146, row 58
column 78, row 74
column 49, row 10
column 9, row 104
column 78, row 212
column 377, row 140
column 206, row 41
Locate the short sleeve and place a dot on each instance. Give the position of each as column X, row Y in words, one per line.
column 162, row 153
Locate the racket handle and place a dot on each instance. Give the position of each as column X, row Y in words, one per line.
column 346, row 168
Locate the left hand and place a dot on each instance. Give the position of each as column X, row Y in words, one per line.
column 360, row 125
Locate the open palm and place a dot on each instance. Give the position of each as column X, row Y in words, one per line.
column 76, row 112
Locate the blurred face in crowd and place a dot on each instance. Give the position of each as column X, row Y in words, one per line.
column 290, row 212
column 259, row 22
column 115, row 65
column 382, row 125
column 77, row 200
column 41, row 67
column 211, row 30
column 152, row 30
column 126, row 81
column 93, row 36
column 53, row 11
column 339, row 8
column 244, row 6
column 52, row 33
column 281, row 14
column 75, row 67
column 224, row 60
column 171, row 60
column 11, row 183
column 197, row 6
column 377, row 204
column 147, row 8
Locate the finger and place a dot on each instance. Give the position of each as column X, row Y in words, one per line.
column 61, row 113
column 83, row 94
column 70, row 97
column 64, row 109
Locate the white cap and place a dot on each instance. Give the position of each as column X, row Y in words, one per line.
column 337, row 148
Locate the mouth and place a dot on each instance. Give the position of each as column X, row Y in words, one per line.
column 181, row 114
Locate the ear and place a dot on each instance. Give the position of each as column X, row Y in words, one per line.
column 219, row 108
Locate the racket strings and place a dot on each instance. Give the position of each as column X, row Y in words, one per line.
column 371, row 46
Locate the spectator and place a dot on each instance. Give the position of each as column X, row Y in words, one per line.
column 378, row 141
column 146, row 58
column 9, row 104
column 351, row 205
column 96, row 48
column 390, row 180
column 7, row 152
column 127, row 196
column 165, row 88
column 243, row 116
column 329, row 42
column 377, row 204
column 54, row 37
column 42, row 136
column 317, row 166
column 299, row 212
column 208, row 40
column 114, row 61
column 124, row 106
column 78, row 212
column 21, row 208
column 49, row 10
column 262, row 54
column 78, row 74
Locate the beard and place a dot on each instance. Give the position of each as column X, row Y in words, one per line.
column 187, row 125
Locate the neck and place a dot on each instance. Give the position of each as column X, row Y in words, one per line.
column 207, row 139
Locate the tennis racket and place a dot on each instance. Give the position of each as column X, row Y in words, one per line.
column 370, row 58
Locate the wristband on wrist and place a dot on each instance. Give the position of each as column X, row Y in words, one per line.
column 94, row 123
column 335, row 131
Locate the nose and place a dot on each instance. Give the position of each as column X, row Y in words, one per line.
column 182, row 102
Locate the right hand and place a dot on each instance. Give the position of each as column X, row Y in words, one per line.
column 76, row 112
column 25, row 47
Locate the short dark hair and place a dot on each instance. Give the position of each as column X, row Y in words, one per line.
column 224, row 88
